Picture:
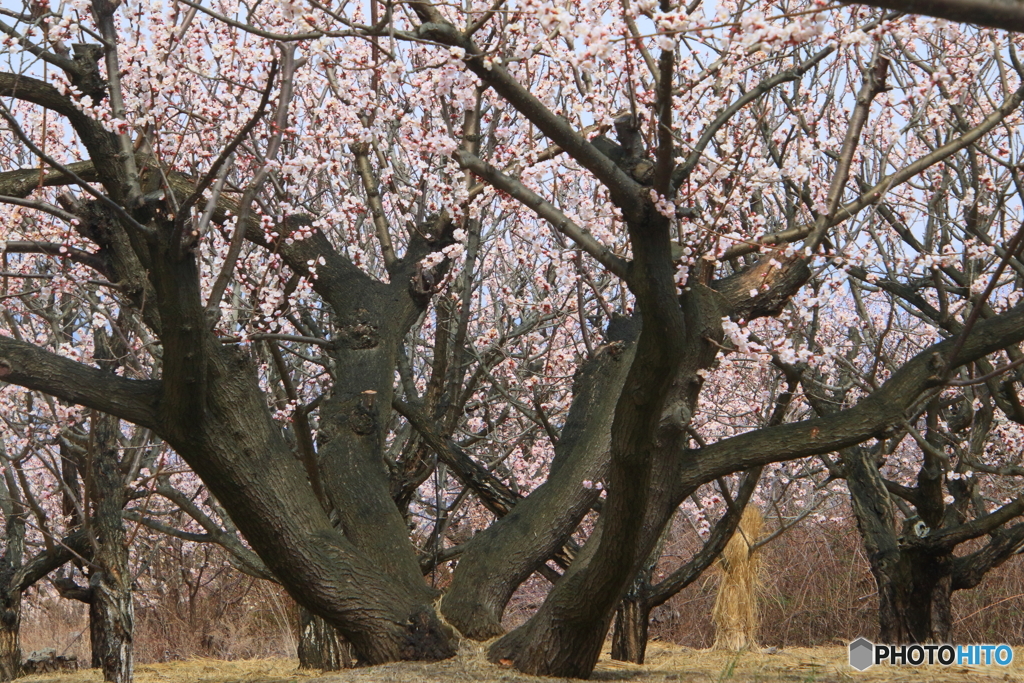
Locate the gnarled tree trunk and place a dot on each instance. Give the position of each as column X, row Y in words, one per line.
column 500, row 558
column 320, row 644
column 914, row 598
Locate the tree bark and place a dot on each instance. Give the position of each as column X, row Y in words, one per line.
column 632, row 619
column 565, row 636
column 10, row 626
column 320, row 644
column 914, row 585
column 215, row 416
column 914, row 599
column 111, row 613
column 500, row 558
column 10, row 574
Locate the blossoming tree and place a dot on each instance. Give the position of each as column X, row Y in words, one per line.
column 341, row 245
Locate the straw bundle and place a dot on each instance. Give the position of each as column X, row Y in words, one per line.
column 735, row 613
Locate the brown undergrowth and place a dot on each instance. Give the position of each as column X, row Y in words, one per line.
column 817, row 591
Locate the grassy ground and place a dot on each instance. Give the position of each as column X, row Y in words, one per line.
column 666, row 664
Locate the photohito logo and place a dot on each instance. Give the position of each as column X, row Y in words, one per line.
column 865, row 654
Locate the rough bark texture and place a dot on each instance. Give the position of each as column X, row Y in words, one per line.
column 11, row 587
column 914, row 585
column 363, row 578
column 320, row 644
column 500, row 558
column 632, row 618
column 10, row 625
column 565, row 636
column 111, row 614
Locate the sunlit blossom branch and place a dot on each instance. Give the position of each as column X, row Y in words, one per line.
column 874, row 84
column 59, row 61
column 635, row 34
column 103, row 14
column 665, row 154
column 1009, row 106
column 683, row 171
column 222, row 159
column 1011, row 250
column 94, row 261
column 380, row 221
column 249, row 28
column 245, row 205
column 624, row 190
column 545, row 210
column 40, row 205
column 984, row 378
column 6, row 114
column 882, row 410
column 484, row 18
column 729, row 24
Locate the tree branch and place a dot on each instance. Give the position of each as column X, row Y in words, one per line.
column 94, row 261
column 545, row 210
column 33, row 368
column 1004, row 14
column 495, row 496
column 624, row 190
column 1011, row 104
column 883, row 410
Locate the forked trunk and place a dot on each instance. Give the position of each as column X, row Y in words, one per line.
column 320, row 644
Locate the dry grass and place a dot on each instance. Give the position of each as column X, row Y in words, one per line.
column 735, row 613
column 665, row 664
column 196, row 671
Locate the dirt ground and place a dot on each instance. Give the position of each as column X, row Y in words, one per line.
column 665, row 664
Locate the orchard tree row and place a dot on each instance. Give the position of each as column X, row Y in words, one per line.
column 495, row 289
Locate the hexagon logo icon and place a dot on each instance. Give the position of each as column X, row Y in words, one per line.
column 862, row 654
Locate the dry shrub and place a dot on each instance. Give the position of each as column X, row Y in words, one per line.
column 735, row 613
column 189, row 602
column 819, row 591
column 49, row 621
column 192, row 603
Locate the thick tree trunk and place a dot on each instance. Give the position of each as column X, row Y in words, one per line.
column 320, row 644
column 213, row 413
column 111, row 613
column 632, row 618
column 11, row 574
column 500, row 558
column 565, row 636
column 914, row 587
column 914, row 599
